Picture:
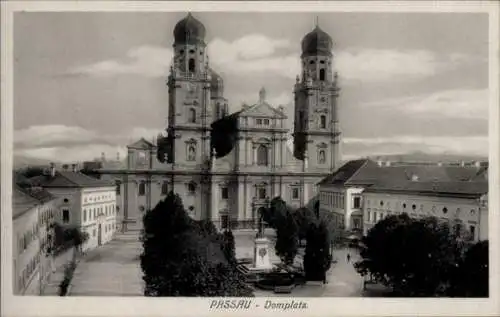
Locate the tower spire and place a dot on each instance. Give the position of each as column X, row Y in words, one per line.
column 317, row 22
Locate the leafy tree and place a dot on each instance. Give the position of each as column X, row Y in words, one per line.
column 275, row 214
column 287, row 239
column 317, row 258
column 303, row 218
column 182, row 257
column 32, row 171
column 471, row 278
column 228, row 246
column 416, row 257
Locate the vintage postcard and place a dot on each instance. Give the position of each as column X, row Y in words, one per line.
column 250, row 158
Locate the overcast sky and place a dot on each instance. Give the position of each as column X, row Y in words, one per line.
column 87, row 83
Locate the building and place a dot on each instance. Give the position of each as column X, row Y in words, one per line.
column 345, row 192
column 458, row 203
column 33, row 211
column 86, row 203
column 227, row 166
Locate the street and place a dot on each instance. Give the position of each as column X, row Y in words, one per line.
column 114, row 270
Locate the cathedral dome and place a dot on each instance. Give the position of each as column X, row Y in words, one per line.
column 189, row 31
column 317, row 42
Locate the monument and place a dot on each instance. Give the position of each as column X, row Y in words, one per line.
column 261, row 260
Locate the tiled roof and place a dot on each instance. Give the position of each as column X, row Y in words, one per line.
column 74, row 179
column 344, row 173
column 40, row 194
column 444, row 188
column 21, row 202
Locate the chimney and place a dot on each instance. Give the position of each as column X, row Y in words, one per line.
column 379, row 162
column 103, row 157
column 262, row 95
column 281, row 109
column 73, row 168
column 52, row 169
column 462, row 163
column 388, row 163
column 477, row 164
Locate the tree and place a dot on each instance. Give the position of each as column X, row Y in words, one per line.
column 32, row 171
column 416, row 257
column 472, row 275
column 287, row 239
column 182, row 257
column 303, row 218
column 275, row 214
column 317, row 259
column 228, row 246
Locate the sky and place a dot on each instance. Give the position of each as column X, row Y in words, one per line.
column 90, row 82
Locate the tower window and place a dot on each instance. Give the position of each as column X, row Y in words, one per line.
column 262, row 157
column 321, row 157
column 142, row 188
column 191, row 155
column 322, row 62
column 191, row 65
column 295, row 193
column 191, row 51
column 192, row 188
column 192, row 116
column 322, row 122
column 65, row 214
column 322, row 74
column 224, row 193
column 262, row 193
column 181, row 52
column 118, row 187
column 311, row 62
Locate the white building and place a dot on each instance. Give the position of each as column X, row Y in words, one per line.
column 458, row 203
column 33, row 211
column 86, row 203
column 343, row 192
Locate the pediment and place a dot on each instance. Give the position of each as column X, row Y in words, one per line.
column 142, row 144
column 263, row 110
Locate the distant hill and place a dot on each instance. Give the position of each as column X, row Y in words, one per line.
column 429, row 158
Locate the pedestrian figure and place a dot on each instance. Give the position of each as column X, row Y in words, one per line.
column 348, row 257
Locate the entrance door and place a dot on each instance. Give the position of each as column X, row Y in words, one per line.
column 99, row 235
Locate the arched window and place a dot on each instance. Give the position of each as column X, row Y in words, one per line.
column 191, row 152
column 192, row 116
column 118, row 187
column 262, row 158
column 322, row 122
column 192, row 188
column 191, row 65
column 322, row 74
column 321, row 157
column 142, row 188
column 164, row 188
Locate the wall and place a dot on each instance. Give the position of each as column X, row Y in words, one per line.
column 379, row 205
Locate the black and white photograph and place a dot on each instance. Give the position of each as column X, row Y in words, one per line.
column 259, row 158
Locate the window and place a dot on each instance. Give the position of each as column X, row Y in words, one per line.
column 266, row 121
column 374, row 216
column 191, row 51
column 164, row 188
column 84, row 215
column 381, row 203
column 224, row 193
column 321, row 157
column 322, row 122
column 311, row 62
column 65, row 214
column 261, row 193
column 472, row 230
column 295, row 193
column 118, row 187
column 191, row 155
column 262, row 158
column 322, row 74
column 413, row 206
column 66, row 200
column 445, row 210
column 258, row 121
column 472, row 212
column 117, row 209
column 357, row 202
column 404, row 205
column 192, row 116
column 191, row 65
column 192, row 188
column 142, row 188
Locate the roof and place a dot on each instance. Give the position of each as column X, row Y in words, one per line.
column 442, row 188
column 40, row 194
column 21, row 202
column 67, row 179
column 262, row 109
column 346, row 172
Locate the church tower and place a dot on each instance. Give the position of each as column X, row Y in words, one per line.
column 316, row 124
column 190, row 111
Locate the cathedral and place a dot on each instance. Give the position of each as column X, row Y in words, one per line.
column 226, row 166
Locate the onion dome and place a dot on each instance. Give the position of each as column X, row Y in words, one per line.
column 317, row 42
column 189, row 31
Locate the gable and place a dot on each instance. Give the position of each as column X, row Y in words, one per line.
column 262, row 110
column 142, row 144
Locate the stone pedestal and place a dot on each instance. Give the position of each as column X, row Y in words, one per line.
column 261, row 260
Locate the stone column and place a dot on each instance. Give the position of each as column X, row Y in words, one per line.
column 241, row 199
column 214, row 206
column 254, row 151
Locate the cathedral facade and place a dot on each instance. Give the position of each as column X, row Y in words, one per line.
column 225, row 166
